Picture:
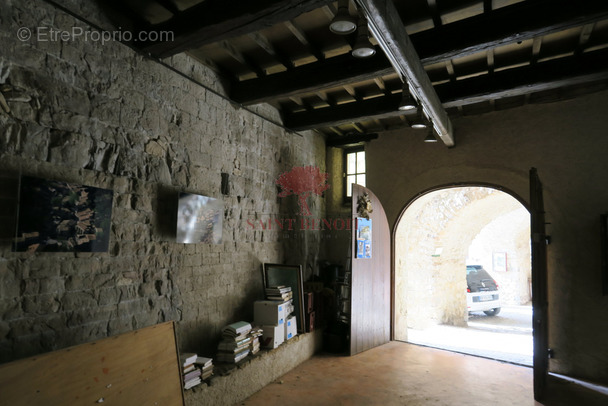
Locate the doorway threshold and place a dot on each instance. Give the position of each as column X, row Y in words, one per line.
column 512, row 348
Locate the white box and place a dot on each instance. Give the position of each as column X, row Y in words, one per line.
column 291, row 327
column 272, row 336
column 269, row 313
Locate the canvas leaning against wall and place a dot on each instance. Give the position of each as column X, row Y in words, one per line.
column 57, row 216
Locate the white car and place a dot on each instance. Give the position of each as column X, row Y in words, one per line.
column 482, row 291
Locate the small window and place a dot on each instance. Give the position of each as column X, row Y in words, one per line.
column 354, row 169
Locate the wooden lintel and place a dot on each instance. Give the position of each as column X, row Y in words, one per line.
column 388, row 29
column 216, row 20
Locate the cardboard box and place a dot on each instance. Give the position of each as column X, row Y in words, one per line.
column 289, row 308
column 269, row 312
column 291, row 327
column 272, row 336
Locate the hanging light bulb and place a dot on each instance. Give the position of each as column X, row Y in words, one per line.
column 363, row 47
column 418, row 122
column 430, row 136
column 343, row 23
column 408, row 102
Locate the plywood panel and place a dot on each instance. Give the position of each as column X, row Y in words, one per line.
column 370, row 280
column 135, row 368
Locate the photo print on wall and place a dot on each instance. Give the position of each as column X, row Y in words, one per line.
column 58, row 216
column 199, row 219
column 364, row 238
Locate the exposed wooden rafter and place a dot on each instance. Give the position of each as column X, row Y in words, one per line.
column 431, row 48
column 380, row 107
column 217, row 20
column 333, row 72
column 506, row 25
column 481, row 55
column 388, row 29
column 349, row 140
column 587, row 68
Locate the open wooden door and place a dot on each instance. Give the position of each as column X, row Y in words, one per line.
column 370, row 279
column 539, row 286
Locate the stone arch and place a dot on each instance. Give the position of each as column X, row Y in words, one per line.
column 431, row 241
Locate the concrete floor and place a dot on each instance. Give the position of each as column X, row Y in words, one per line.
column 399, row 373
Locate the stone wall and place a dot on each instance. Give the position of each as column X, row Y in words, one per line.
column 101, row 115
column 509, row 233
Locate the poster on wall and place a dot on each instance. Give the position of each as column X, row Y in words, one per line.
column 199, row 219
column 499, row 261
column 62, row 217
column 364, row 238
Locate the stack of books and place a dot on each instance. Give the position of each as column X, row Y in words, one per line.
column 255, row 334
column 235, row 344
column 206, row 366
column 190, row 373
column 280, row 293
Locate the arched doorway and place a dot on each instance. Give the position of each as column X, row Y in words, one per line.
column 437, row 236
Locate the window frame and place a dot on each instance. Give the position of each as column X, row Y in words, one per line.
column 347, row 199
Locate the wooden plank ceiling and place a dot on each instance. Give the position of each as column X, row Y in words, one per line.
column 477, row 55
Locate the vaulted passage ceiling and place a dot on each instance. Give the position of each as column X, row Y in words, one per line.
column 458, row 57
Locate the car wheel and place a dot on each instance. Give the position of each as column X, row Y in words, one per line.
column 492, row 312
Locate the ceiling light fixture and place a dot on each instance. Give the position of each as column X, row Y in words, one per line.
column 419, row 122
column 430, row 137
column 408, row 102
column 363, row 47
column 343, row 23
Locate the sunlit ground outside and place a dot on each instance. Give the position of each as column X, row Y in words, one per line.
column 505, row 337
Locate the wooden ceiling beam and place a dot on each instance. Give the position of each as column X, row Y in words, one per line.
column 553, row 74
column 344, row 69
column 507, row 25
column 376, row 108
column 304, row 40
column 350, row 140
column 217, row 20
column 270, row 49
column 388, row 29
column 508, row 83
column 334, row 72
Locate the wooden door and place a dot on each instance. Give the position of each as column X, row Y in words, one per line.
column 370, row 280
column 539, row 286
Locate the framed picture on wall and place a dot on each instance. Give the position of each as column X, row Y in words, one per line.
column 499, row 261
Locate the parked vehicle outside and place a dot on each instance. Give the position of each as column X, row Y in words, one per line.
column 482, row 291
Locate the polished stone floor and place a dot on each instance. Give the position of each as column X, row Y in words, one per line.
column 399, row 373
